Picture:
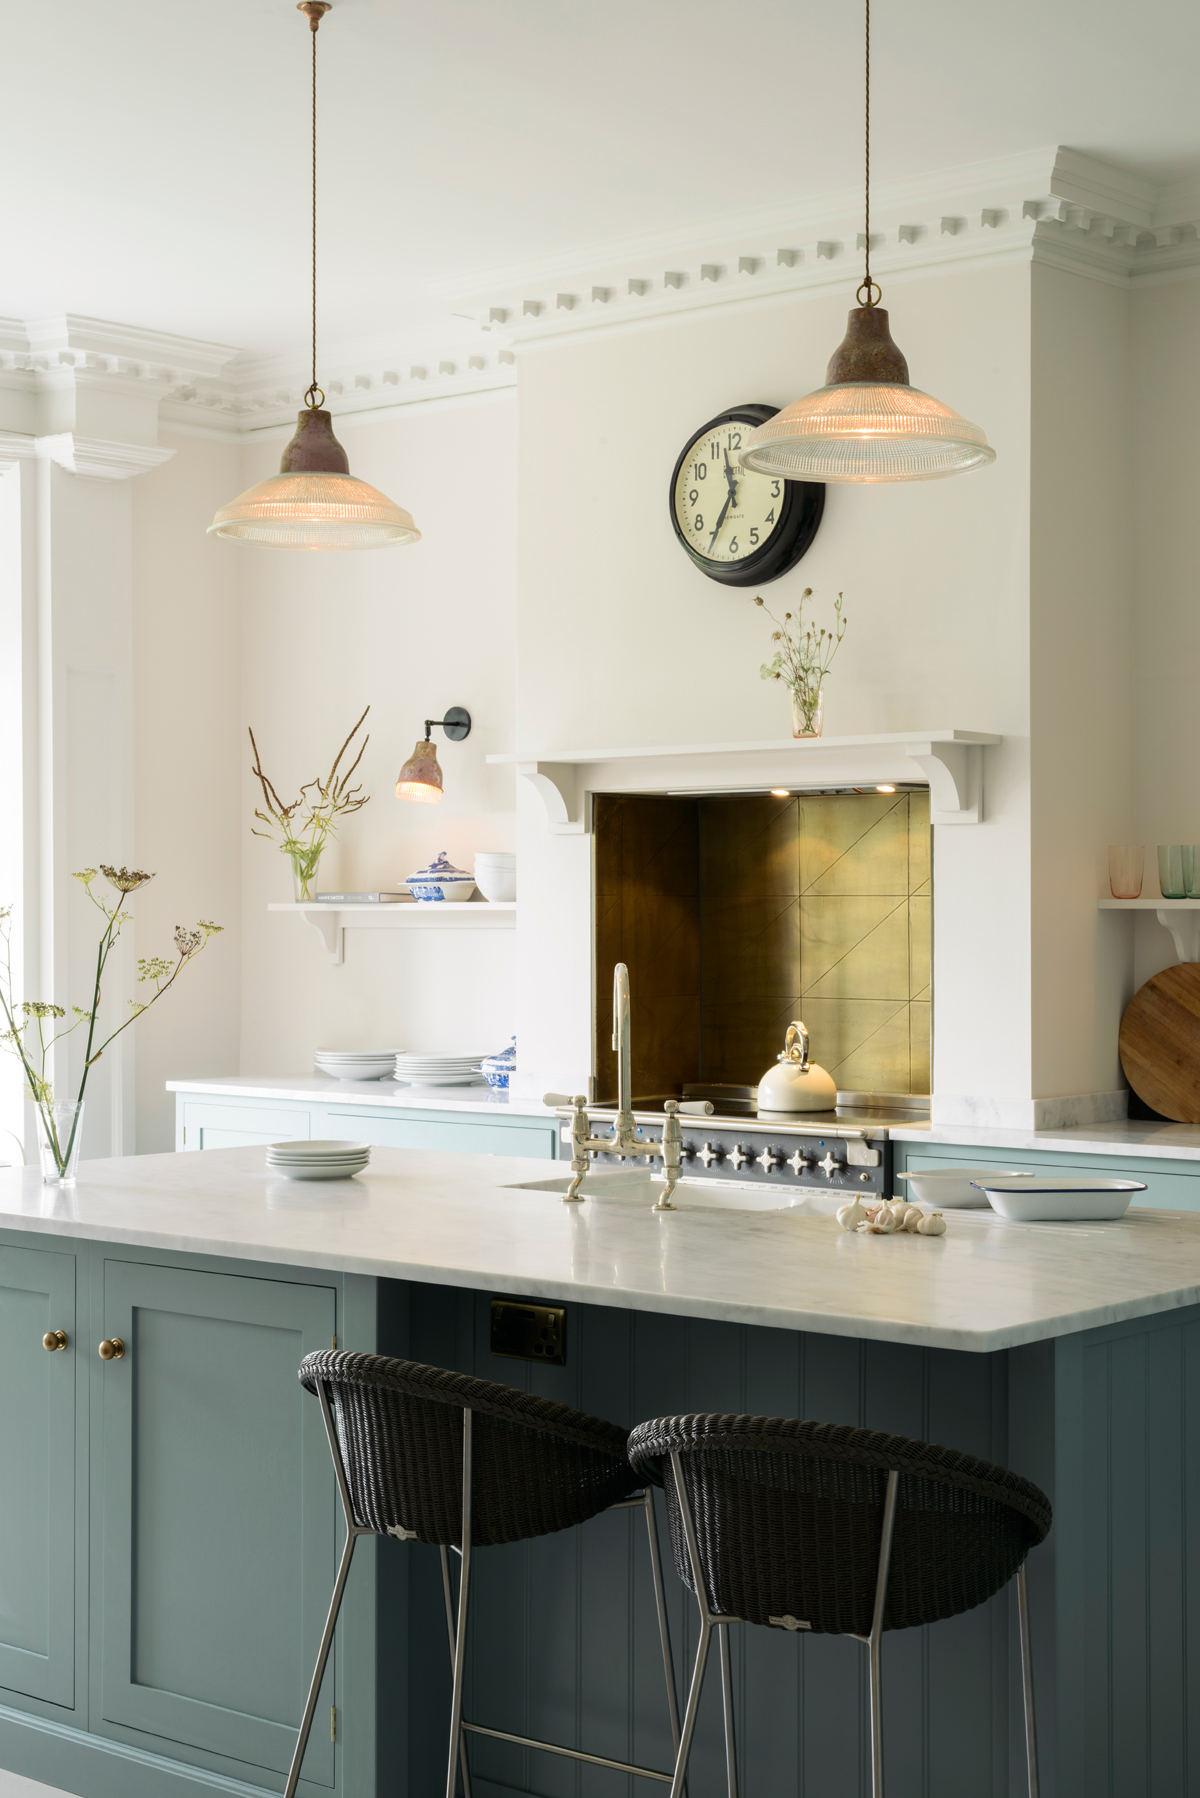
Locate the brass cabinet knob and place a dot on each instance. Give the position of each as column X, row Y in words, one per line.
column 54, row 1339
column 112, row 1349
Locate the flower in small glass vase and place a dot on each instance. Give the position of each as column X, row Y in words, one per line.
column 32, row 1025
column 302, row 829
column 802, row 659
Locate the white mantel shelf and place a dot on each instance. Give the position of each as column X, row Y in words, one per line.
column 332, row 921
column 1180, row 916
column 951, row 761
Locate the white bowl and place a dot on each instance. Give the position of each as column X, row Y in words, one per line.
column 367, row 1070
column 1059, row 1198
column 954, row 1188
column 508, row 856
column 496, row 881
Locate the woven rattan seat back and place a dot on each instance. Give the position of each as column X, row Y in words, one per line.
column 788, row 1517
column 536, row 1467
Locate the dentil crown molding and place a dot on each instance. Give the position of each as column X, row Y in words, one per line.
column 91, row 394
column 1055, row 205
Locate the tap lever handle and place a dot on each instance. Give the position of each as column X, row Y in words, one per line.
column 562, row 1101
column 701, row 1108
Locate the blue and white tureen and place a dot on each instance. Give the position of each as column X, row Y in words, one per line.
column 498, row 1069
column 440, row 881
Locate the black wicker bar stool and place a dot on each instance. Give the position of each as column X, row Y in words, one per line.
column 816, row 1526
column 429, row 1456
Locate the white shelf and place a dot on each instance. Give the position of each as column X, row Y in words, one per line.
column 1180, row 916
column 332, row 921
column 951, row 761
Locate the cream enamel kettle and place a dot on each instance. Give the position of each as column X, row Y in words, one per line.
column 795, row 1083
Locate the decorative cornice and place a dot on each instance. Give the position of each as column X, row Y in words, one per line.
column 103, row 461
column 1055, row 205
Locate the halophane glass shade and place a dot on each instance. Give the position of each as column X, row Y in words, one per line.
column 314, row 511
column 866, row 431
column 421, row 777
column 314, row 502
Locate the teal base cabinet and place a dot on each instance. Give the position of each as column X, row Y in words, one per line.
column 228, row 1123
column 1170, row 1185
column 169, row 1526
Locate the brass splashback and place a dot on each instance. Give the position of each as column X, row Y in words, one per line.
column 737, row 914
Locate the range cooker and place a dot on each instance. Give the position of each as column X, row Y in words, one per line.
column 846, row 1150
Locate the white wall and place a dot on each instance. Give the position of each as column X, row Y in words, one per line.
column 1081, row 675
column 408, row 631
column 622, row 641
column 1166, row 478
column 186, row 718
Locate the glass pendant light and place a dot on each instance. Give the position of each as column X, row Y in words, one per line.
column 314, row 502
column 867, row 423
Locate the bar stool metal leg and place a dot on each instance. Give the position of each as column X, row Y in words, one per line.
column 1031, row 1753
column 660, row 1606
column 875, row 1639
column 727, row 1701
column 450, row 1635
column 353, row 1532
column 460, row 1634
column 709, row 1621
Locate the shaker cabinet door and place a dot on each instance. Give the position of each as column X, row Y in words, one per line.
column 37, row 1476
column 217, row 1512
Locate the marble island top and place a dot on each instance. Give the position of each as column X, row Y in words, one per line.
column 456, row 1220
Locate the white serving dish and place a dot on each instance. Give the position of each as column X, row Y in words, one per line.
column 370, row 1070
column 1059, row 1198
column 954, row 1188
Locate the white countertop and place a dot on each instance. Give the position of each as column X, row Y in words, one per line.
column 364, row 1092
column 1154, row 1141
column 455, row 1220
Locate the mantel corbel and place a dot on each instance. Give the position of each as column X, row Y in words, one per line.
column 568, row 812
column 955, row 775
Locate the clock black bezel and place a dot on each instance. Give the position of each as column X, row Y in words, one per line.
column 803, row 505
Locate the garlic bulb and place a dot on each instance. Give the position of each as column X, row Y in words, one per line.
column 933, row 1225
column 912, row 1217
column 899, row 1209
column 851, row 1215
column 883, row 1222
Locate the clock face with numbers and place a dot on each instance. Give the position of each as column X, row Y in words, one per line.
column 740, row 528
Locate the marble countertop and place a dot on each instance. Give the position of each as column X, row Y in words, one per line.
column 364, row 1092
column 1128, row 1136
column 456, row 1220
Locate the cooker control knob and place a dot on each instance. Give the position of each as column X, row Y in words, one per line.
column 708, row 1155
column 798, row 1162
column 768, row 1159
column 737, row 1155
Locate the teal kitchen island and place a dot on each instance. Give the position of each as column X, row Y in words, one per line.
column 171, row 1527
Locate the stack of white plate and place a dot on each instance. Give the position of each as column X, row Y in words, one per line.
column 356, row 1064
column 318, row 1160
column 438, row 1068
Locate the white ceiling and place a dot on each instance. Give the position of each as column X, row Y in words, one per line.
column 157, row 151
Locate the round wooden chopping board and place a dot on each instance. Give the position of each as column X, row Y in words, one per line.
column 1160, row 1042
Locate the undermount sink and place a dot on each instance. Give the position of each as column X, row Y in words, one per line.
column 641, row 1188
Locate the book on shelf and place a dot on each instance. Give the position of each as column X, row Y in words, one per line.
column 364, row 898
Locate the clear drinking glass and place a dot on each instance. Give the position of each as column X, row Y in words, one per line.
column 1125, row 872
column 1171, row 881
column 60, row 1137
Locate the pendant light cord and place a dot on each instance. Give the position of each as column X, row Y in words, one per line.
column 868, row 286
column 314, row 397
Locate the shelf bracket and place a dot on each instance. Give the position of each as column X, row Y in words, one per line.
column 568, row 812
column 329, row 927
column 955, row 775
column 1184, row 927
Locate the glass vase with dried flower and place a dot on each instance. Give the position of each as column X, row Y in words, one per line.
column 302, row 829
column 801, row 661
column 32, row 1030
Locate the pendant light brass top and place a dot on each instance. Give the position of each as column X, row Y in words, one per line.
column 314, row 502
column 867, row 424
column 866, row 352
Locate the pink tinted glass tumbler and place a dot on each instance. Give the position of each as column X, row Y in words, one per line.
column 1125, row 872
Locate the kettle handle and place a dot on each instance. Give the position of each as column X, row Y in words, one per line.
column 796, row 1034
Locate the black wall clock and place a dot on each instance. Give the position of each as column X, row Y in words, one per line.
column 740, row 528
